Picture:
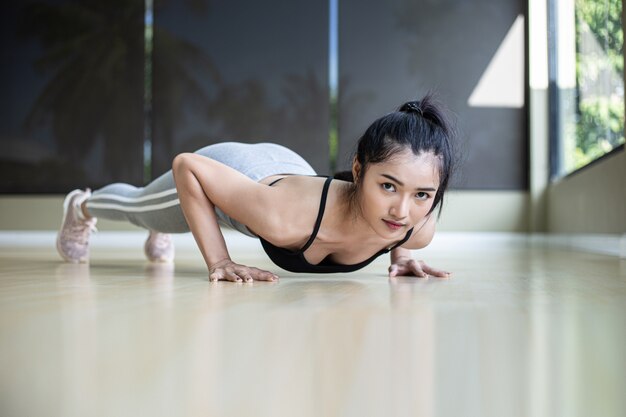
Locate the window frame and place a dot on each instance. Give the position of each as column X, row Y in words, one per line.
column 555, row 143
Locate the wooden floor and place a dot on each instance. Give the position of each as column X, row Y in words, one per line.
column 520, row 330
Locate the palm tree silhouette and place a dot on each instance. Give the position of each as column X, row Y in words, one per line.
column 93, row 54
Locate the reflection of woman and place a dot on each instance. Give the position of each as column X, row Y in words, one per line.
column 305, row 223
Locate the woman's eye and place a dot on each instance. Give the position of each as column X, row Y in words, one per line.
column 422, row 195
column 388, row 187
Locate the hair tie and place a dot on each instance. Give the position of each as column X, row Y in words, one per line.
column 413, row 106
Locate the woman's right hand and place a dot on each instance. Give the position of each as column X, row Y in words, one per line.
column 227, row 270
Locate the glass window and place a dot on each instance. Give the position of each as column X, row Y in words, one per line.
column 586, row 70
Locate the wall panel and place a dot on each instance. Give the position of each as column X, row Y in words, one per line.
column 71, row 108
column 245, row 71
column 395, row 51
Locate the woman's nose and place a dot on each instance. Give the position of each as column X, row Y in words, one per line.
column 400, row 209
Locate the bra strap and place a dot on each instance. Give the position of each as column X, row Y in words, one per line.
column 320, row 214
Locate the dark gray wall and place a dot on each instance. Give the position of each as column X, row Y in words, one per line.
column 395, row 51
column 246, row 70
column 71, row 108
column 73, row 92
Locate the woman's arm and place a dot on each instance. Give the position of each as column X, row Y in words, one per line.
column 197, row 180
column 402, row 262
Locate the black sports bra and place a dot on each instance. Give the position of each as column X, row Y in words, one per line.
column 295, row 261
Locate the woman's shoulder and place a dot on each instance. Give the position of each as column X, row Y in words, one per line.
column 305, row 193
column 297, row 206
column 422, row 234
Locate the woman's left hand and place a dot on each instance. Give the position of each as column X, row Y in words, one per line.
column 406, row 266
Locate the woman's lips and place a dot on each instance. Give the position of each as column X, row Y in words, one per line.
column 393, row 225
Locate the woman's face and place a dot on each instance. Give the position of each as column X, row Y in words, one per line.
column 397, row 194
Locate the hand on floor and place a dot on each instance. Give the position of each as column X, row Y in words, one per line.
column 227, row 270
column 405, row 266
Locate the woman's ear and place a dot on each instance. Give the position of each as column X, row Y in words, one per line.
column 356, row 170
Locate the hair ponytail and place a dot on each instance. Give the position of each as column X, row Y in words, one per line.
column 428, row 109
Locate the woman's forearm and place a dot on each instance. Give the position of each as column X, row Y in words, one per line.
column 398, row 253
column 200, row 214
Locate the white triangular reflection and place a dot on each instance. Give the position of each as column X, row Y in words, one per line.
column 502, row 83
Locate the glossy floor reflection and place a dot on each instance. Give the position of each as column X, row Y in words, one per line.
column 518, row 331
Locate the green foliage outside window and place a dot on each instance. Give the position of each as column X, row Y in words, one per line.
column 599, row 79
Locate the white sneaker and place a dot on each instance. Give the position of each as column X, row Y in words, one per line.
column 159, row 247
column 73, row 237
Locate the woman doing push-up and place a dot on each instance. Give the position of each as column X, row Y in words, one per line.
column 305, row 223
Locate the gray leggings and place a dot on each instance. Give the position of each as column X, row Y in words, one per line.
column 157, row 207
